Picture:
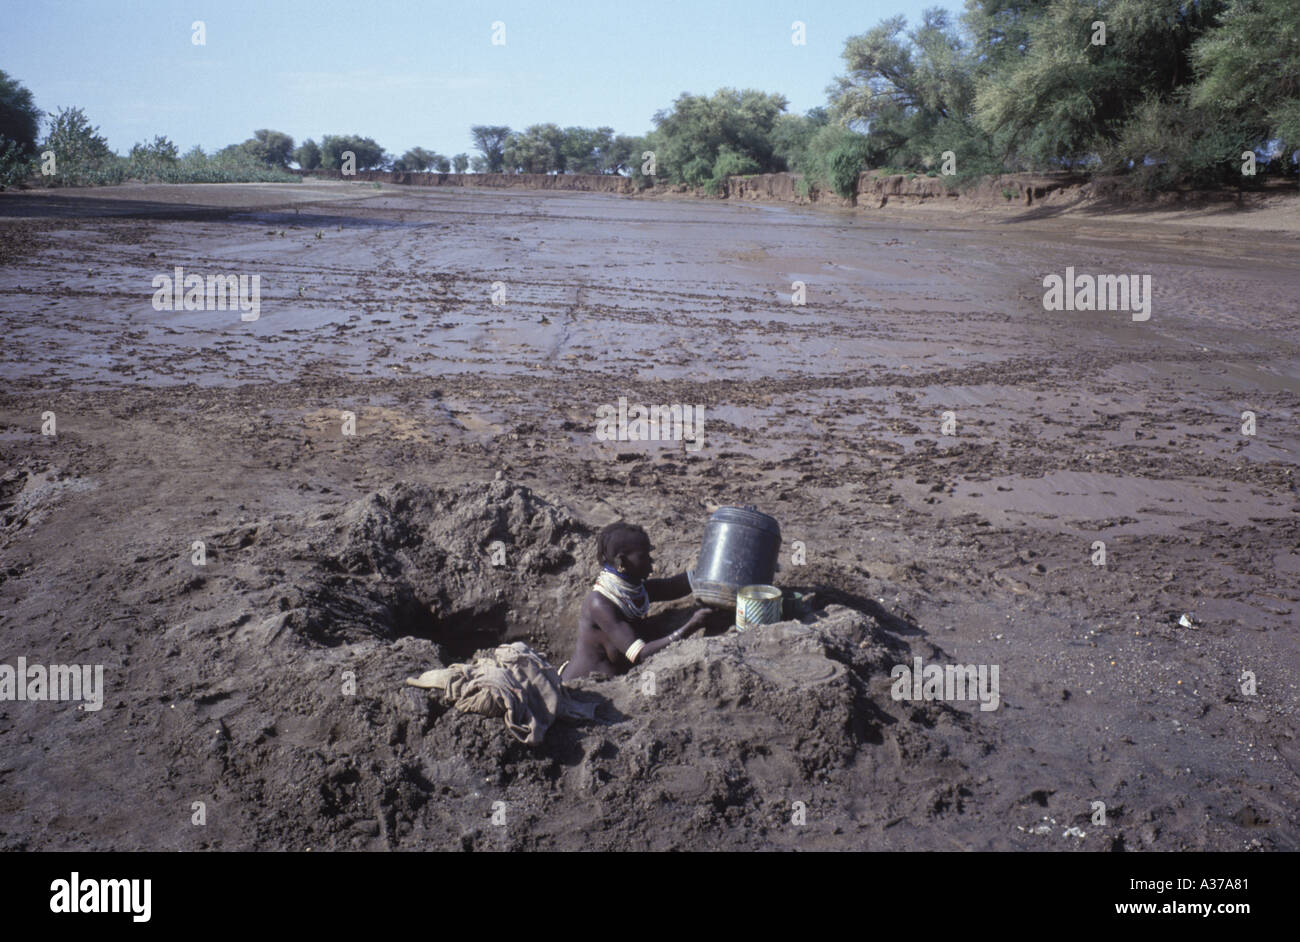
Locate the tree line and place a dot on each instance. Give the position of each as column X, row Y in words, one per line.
column 1157, row 92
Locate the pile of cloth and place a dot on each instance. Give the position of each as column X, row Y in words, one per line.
column 513, row 682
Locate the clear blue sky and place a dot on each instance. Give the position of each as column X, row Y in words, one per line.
column 417, row 73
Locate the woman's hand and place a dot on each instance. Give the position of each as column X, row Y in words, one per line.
column 695, row 623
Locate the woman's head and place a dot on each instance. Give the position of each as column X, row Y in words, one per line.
column 626, row 547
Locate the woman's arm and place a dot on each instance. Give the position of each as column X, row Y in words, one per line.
column 620, row 638
column 664, row 590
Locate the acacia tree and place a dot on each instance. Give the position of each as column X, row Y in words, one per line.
column 624, row 155
column 791, row 134
column 1061, row 96
column 586, row 150
column 1249, row 68
column 539, row 148
column 689, row 138
column 490, row 140
column 273, row 148
column 307, row 156
column 912, row 93
column 417, row 158
column 460, row 162
column 369, row 155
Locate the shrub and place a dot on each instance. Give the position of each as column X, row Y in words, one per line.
column 730, row 164
column 834, row 158
column 15, row 166
column 82, row 156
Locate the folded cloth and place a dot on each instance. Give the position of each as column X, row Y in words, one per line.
column 513, row 682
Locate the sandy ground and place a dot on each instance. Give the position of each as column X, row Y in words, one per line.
column 331, row 557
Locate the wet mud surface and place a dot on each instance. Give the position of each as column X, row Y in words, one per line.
column 370, row 554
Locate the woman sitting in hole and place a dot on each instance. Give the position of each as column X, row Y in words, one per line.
column 611, row 621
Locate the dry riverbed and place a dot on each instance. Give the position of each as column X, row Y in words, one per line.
column 366, row 556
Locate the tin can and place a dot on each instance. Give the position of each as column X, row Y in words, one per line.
column 757, row 605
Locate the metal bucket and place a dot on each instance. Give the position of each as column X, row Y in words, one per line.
column 757, row 605
column 739, row 549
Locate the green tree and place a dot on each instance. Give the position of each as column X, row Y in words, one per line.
column 460, row 162
column 1249, row 69
column 539, row 148
column 20, row 123
column 273, row 148
column 834, row 158
column 150, row 161
column 307, row 156
column 1060, row 97
column 586, row 150
column 81, row 153
column 490, row 140
column 730, row 164
column 791, row 134
column 20, row 119
column 689, row 137
column 418, row 159
column 1168, row 141
column 369, row 155
column 913, row 93
column 624, row 155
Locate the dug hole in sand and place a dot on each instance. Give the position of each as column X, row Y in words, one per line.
column 718, row 742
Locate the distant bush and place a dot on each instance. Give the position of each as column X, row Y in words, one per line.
column 83, row 158
column 148, row 161
column 232, row 165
